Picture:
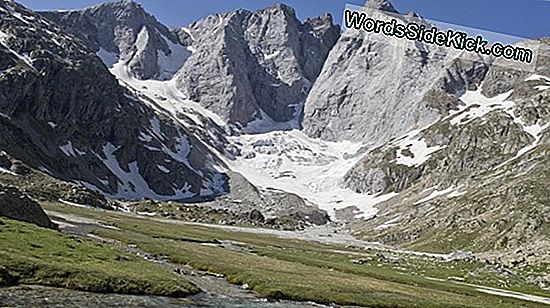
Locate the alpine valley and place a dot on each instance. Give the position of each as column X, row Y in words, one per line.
column 333, row 155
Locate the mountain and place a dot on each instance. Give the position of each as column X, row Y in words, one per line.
column 475, row 179
column 457, row 144
column 124, row 31
column 242, row 65
column 373, row 88
column 256, row 66
column 62, row 112
column 405, row 143
column 67, row 116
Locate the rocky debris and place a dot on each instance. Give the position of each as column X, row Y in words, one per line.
column 216, row 212
column 269, row 63
column 256, row 215
column 16, row 205
column 86, row 197
column 278, row 207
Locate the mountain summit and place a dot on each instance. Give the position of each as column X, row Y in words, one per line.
column 124, row 31
column 383, row 5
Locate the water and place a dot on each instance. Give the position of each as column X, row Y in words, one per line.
column 36, row 296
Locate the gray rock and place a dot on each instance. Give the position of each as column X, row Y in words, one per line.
column 256, row 65
column 16, row 205
column 64, row 113
column 373, row 88
column 125, row 29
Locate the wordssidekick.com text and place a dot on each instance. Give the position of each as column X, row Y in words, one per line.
column 360, row 20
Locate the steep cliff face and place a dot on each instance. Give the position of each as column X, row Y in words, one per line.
column 123, row 31
column 501, row 120
column 242, row 65
column 64, row 113
column 260, row 65
column 373, row 88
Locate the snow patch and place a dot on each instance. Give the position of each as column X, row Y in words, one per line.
column 142, row 40
column 435, row 194
column 163, row 169
column 388, row 224
column 132, row 185
column 166, row 96
column 170, row 63
column 418, row 149
column 71, row 151
column 155, row 125
column 537, row 77
column 147, row 214
column 456, row 193
column 264, row 123
column 145, row 137
column 478, row 105
column 182, row 151
column 271, row 56
column 74, row 204
column 3, row 170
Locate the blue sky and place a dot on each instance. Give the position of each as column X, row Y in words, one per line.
column 523, row 18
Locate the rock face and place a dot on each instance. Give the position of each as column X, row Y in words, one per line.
column 475, row 179
column 123, row 30
column 64, row 113
column 256, row 66
column 16, row 205
column 373, row 88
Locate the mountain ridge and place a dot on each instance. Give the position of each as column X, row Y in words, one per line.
column 265, row 112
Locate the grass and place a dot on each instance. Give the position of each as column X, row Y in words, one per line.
column 33, row 255
column 307, row 271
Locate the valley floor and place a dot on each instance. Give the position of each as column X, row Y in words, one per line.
column 245, row 265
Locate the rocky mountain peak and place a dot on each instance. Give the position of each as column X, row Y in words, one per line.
column 383, row 5
column 281, row 7
column 124, row 31
column 272, row 59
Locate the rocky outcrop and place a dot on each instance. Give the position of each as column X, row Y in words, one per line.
column 16, row 205
column 64, row 113
column 260, row 65
column 373, row 88
column 476, row 179
column 480, row 134
column 124, row 31
column 274, row 205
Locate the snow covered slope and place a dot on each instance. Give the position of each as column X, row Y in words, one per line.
column 62, row 112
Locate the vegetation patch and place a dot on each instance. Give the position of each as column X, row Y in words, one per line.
column 33, row 255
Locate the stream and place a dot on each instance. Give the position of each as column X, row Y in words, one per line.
column 217, row 292
column 37, row 296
